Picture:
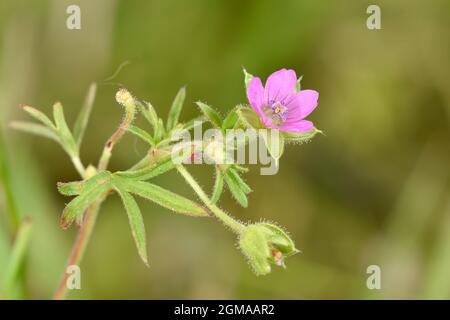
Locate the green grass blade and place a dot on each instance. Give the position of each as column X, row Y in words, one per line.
column 17, row 257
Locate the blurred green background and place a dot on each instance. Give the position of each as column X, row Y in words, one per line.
column 373, row 191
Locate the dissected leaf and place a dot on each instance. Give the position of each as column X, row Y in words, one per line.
column 149, row 113
column 161, row 196
column 71, row 188
column 38, row 115
column 93, row 190
column 65, row 135
column 175, row 109
column 151, row 171
column 136, row 223
column 210, row 114
column 141, row 134
column 84, row 115
column 34, row 128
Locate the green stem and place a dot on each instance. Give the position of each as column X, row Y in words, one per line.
column 233, row 224
column 79, row 166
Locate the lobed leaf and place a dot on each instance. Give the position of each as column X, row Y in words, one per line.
column 93, row 190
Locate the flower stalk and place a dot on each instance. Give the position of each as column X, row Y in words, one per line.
column 236, row 226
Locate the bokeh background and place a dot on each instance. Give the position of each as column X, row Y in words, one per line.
column 373, row 191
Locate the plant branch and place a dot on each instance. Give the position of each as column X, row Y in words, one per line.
column 233, row 224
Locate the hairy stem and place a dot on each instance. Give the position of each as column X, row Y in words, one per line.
column 79, row 247
column 233, row 224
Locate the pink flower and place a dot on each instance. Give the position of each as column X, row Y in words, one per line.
column 278, row 105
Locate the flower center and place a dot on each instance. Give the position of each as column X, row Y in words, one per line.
column 276, row 111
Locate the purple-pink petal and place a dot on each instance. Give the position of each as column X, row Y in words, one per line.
column 302, row 104
column 255, row 92
column 280, row 85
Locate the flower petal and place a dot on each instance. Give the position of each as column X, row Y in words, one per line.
column 280, row 85
column 255, row 92
column 302, row 104
column 300, row 126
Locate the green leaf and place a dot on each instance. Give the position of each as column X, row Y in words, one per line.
column 236, row 190
column 94, row 189
column 66, row 138
column 35, row 129
column 151, row 171
column 218, row 186
column 247, row 78
column 141, row 134
column 149, row 113
column 38, row 115
column 160, row 132
column 244, row 187
column 17, row 257
column 136, row 223
column 84, row 115
column 71, row 188
column 163, row 197
column 231, row 120
column 175, row 109
column 274, row 141
column 249, row 118
column 210, row 114
column 300, row 137
column 298, row 85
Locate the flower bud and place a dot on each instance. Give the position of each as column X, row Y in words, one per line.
column 265, row 244
column 124, row 97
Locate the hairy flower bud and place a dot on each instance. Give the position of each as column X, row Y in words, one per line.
column 124, row 97
column 265, row 244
